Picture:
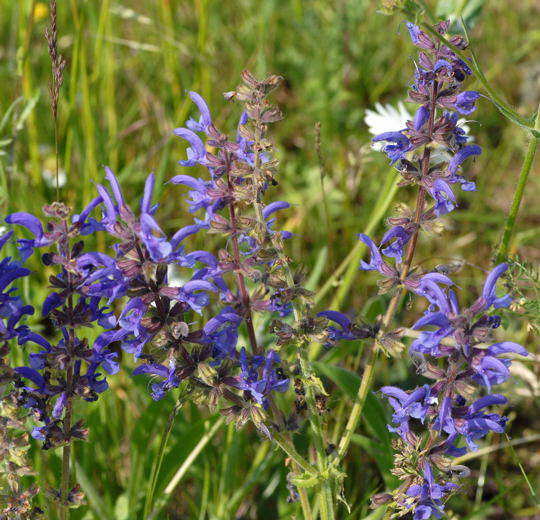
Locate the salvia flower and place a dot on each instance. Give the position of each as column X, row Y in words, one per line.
column 445, row 410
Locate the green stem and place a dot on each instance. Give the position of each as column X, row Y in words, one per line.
column 325, row 495
column 171, row 486
column 158, row 461
column 56, row 158
column 518, row 195
column 286, row 445
column 290, row 450
column 299, row 310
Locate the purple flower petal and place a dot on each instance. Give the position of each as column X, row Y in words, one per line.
column 461, row 155
column 115, row 186
column 146, row 201
column 336, row 316
column 30, row 222
column 273, row 207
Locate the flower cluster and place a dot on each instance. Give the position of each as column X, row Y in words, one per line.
column 69, row 367
column 248, row 273
column 163, row 289
column 437, row 88
column 456, row 356
column 12, row 308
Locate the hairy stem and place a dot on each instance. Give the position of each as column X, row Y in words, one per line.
column 326, row 503
column 244, row 294
column 518, row 195
column 70, row 345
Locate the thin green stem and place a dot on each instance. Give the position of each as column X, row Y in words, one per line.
column 203, row 441
column 518, row 195
column 56, row 158
column 325, row 497
column 158, row 461
column 522, row 469
column 495, row 447
column 285, row 443
column 290, row 450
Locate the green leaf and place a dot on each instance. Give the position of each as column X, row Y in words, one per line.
column 374, row 417
column 27, row 109
column 95, row 500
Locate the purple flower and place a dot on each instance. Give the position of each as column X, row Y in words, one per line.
column 192, row 295
column 429, row 496
column 154, row 239
column 461, row 155
column 418, row 37
column 396, row 151
column 428, row 286
column 199, row 194
column 428, row 342
column 465, row 102
column 445, row 200
column 196, row 152
column 489, row 369
column 258, row 385
column 474, row 424
column 397, row 238
column 347, row 331
column 205, row 119
column 376, row 262
column 489, row 297
column 170, row 380
column 221, row 332
column 421, row 117
column 406, row 406
column 33, row 224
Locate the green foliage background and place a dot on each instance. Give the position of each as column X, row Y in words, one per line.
column 130, row 64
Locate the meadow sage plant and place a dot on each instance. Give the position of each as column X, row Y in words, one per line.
column 230, row 329
column 432, row 420
column 68, row 368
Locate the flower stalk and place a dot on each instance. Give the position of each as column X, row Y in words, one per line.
column 510, row 223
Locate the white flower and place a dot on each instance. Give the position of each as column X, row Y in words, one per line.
column 386, row 118
column 49, row 177
column 174, row 278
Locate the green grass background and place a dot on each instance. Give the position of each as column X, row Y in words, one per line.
column 130, row 64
